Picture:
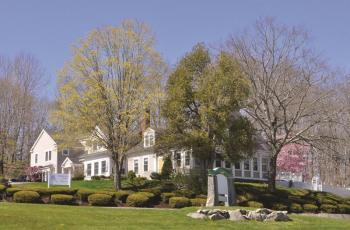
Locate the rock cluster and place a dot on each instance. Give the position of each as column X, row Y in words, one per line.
column 261, row 214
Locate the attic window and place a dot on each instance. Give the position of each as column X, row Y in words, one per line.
column 149, row 139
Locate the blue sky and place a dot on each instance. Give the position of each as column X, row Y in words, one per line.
column 47, row 29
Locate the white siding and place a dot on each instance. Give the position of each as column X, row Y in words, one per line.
column 44, row 144
column 99, row 161
column 152, row 164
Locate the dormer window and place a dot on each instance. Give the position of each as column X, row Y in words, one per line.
column 148, row 139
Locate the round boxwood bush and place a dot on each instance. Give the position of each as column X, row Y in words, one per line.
column 122, row 195
column 310, row 208
column 198, row 202
column 185, row 193
column 202, row 196
column 156, row 194
column 179, row 202
column 329, row 208
column 344, row 208
column 11, row 191
column 83, row 194
column 296, row 208
column 166, row 196
column 2, row 188
column 138, row 199
column 62, row 199
column 100, row 200
column 254, row 204
column 26, row 197
column 279, row 207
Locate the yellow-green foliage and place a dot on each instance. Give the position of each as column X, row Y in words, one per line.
column 166, row 196
column 62, row 199
column 122, row 195
column 26, row 197
column 139, row 199
column 179, row 202
column 2, row 188
column 100, row 200
column 198, row 202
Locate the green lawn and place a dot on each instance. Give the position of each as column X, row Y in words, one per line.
column 34, row 216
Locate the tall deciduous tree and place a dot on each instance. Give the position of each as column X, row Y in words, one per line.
column 289, row 99
column 203, row 99
column 109, row 83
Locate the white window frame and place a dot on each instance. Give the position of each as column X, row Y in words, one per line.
column 98, row 166
column 149, row 139
column 104, row 170
column 144, row 164
column 136, row 163
column 87, row 169
column 36, row 158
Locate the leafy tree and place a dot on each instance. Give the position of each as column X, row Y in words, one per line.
column 109, row 83
column 203, row 100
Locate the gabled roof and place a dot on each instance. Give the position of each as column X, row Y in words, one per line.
column 40, row 135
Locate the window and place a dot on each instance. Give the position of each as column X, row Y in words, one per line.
column 103, row 166
column 255, row 164
column 265, row 167
column 145, row 164
column 149, row 139
column 136, row 166
column 227, row 164
column 218, row 163
column 65, row 152
column 96, row 168
column 187, row 158
column 46, row 156
column 88, row 170
column 246, row 165
column 49, row 155
column 178, row 159
column 36, row 158
column 238, row 165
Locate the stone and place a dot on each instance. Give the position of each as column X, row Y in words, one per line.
column 265, row 211
column 203, row 211
column 277, row 216
column 237, row 215
column 196, row 215
column 216, row 216
column 253, row 215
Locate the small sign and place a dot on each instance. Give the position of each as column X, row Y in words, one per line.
column 59, row 179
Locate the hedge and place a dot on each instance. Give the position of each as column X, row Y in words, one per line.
column 310, row 208
column 138, row 199
column 11, row 191
column 100, row 200
column 155, row 194
column 279, row 207
column 185, row 193
column 62, row 199
column 2, row 188
column 344, row 208
column 202, row 196
column 329, row 208
column 179, row 202
column 122, row 195
column 254, row 204
column 26, row 197
column 296, row 208
column 166, row 196
column 198, row 202
column 83, row 194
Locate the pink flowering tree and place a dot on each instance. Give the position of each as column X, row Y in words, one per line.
column 293, row 158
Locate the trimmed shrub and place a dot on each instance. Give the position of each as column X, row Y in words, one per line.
column 344, row 208
column 83, row 194
column 328, row 208
column 297, row 200
column 11, row 191
column 95, row 178
column 167, row 186
column 166, row 196
column 310, row 208
column 156, row 194
column 138, row 199
column 2, row 188
column 62, row 199
column 179, row 202
column 279, row 207
column 254, row 204
column 267, row 198
column 296, row 208
column 26, row 197
column 148, row 184
column 100, row 200
column 202, row 196
column 198, row 202
column 185, row 193
column 122, row 195
column 241, row 199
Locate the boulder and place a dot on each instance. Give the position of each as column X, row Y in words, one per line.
column 216, row 216
column 196, row 215
column 277, row 216
column 253, row 215
column 237, row 215
column 265, row 211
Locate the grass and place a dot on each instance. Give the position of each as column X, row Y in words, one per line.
column 33, row 216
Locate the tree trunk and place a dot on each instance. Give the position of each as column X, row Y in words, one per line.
column 117, row 175
column 272, row 174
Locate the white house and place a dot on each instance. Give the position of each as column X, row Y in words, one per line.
column 46, row 155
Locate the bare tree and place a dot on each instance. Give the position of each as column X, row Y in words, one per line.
column 289, row 91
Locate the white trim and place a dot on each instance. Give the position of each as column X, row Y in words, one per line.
column 37, row 139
